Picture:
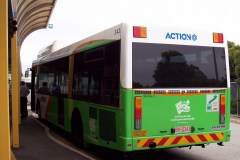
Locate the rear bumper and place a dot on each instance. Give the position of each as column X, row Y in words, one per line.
column 145, row 143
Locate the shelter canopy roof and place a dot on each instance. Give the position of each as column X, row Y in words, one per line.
column 31, row 15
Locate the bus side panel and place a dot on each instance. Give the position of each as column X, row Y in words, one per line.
column 104, row 125
column 68, row 108
column 52, row 111
column 95, row 116
column 101, row 124
column 227, row 118
column 125, row 121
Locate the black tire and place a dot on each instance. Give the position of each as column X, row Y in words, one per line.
column 77, row 129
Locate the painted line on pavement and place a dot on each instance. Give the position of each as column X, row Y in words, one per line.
column 61, row 143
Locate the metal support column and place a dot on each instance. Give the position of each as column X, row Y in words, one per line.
column 5, row 151
column 15, row 91
column 19, row 80
column 70, row 86
column 237, row 86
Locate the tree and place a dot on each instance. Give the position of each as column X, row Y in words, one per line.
column 234, row 60
column 173, row 70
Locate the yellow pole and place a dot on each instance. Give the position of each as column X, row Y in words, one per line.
column 5, row 151
column 19, row 79
column 15, row 91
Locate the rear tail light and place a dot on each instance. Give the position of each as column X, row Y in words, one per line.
column 138, row 113
column 218, row 38
column 139, row 32
column 222, row 108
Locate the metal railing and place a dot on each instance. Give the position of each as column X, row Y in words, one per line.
column 235, row 98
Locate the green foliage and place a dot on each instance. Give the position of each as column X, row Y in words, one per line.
column 236, row 54
column 237, row 70
column 230, row 44
column 234, row 60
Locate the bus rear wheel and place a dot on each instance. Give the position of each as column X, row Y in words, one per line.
column 77, row 130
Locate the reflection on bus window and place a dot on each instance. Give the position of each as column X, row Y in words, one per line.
column 55, row 73
column 96, row 75
column 178, row 66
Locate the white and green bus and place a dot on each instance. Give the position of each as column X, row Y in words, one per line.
column 138, row 87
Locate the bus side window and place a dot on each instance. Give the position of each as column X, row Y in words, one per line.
column 112, row 74
column 96, row 75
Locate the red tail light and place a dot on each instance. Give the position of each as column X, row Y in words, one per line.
column 138, row 107
column 222, row 104
column 139, row 32
column 138, row 113
column 222, row 108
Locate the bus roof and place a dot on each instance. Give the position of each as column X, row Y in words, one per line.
column 98, row 39
column 167, row 35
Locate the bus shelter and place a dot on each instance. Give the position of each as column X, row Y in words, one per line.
column 18, row 18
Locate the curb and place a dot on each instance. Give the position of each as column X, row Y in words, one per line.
column 235, row 118
column 47, row 131
column 237, row 121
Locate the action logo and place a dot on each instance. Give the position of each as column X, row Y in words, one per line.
column 181, row 36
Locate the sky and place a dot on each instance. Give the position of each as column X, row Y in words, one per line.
column 73, row 20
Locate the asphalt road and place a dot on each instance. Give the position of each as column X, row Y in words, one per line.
column 230, row 151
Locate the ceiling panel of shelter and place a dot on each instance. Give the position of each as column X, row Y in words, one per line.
column 32, row 15
column 32, row 29
column 32, row 22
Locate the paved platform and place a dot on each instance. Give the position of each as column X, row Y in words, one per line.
column 235, row 119
column 36, row 145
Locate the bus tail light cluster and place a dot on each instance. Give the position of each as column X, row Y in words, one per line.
column 139, row 32
column 138, row 113
column 222, row 108
column 217, row 38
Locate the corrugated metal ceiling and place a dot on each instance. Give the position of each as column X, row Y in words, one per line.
column 31, row 15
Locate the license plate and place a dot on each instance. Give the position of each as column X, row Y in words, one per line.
column 183, row 129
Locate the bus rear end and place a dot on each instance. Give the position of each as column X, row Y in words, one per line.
column 178, row 86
